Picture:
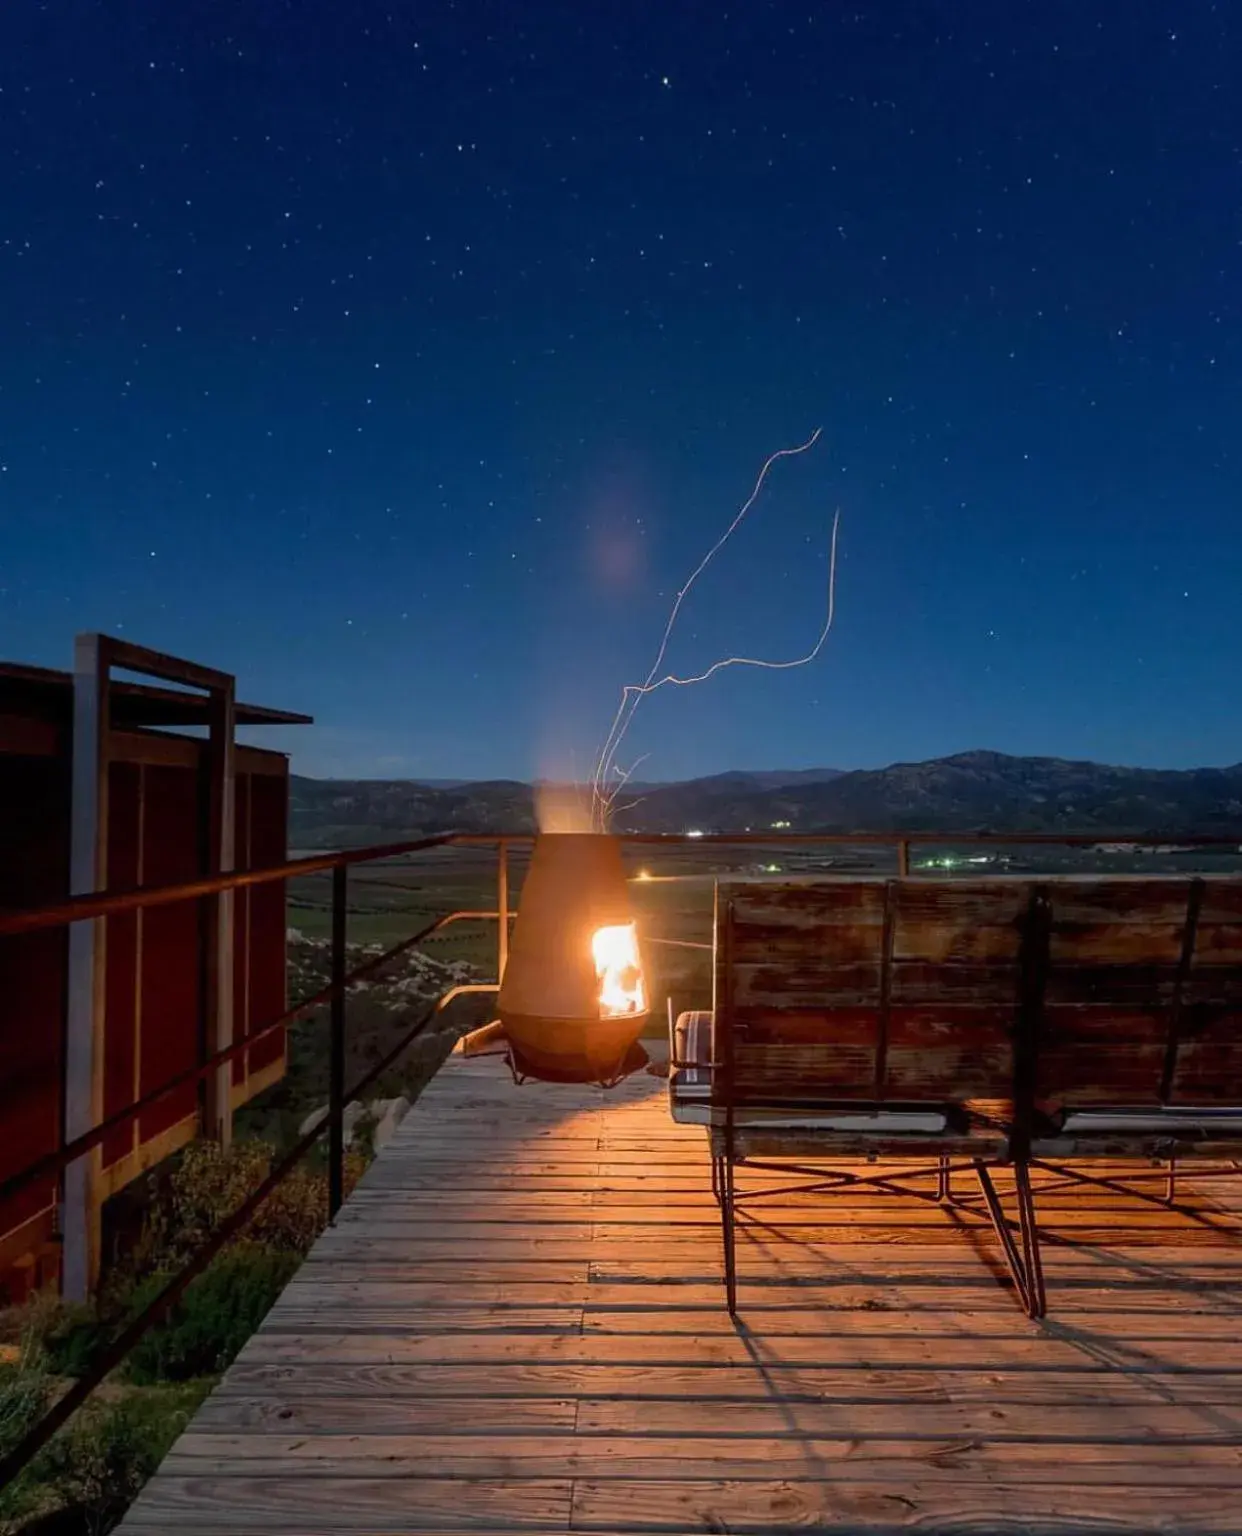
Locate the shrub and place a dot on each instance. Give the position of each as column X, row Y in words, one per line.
column 72, row 1338
column 214, row 1318
column 98, row 1465
column 208, row 1185
column 25, row 1396
column 84, row 1479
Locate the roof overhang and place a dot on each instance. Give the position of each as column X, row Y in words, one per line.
column 47, row 693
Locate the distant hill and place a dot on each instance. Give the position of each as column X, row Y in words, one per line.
column 970, row 792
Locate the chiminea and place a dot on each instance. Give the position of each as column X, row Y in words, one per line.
column 574, row 999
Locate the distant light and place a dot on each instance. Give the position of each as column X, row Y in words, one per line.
column 772, row 869
column 644, row 874
column 693, row 832
column 780, row 826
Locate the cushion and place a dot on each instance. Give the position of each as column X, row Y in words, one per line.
column 690, row 1094
column 1169, row 1122
column 692, row 1047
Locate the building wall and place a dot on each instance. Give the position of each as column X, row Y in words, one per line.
column 34, row 868
column 153, row 1025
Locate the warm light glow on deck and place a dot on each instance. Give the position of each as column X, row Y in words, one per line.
column 619, row 968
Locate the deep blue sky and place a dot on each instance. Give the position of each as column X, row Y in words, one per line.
column 403, row 358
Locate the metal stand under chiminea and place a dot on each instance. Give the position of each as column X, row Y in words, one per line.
column 574, row 999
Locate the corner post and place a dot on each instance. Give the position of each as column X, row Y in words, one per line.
column 216, row 1031
column 84, row 1046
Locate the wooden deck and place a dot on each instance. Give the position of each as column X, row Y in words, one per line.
column 518, row 1323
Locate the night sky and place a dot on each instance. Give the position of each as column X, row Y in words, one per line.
column 404, row 358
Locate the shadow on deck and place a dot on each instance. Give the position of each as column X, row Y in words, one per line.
column 518, row 1322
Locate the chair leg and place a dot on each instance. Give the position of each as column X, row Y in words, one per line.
column 1170, row 1193
column 1029, row 1227
column 727, row 1231
column 716, row 1180
column 1026, row 1267
column 944, row 1183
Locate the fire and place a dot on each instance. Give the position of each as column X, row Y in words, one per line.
column 620, row 972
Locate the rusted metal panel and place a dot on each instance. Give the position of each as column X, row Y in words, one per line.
column 123, row 944
column 240, row 1067
column 265, row 940
column 34, row 867
column 171, row 939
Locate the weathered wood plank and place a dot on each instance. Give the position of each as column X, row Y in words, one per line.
column 811, row 1015
column 284, row 1414
column 636, row 1455
column 944, row 1502
column 996, row 1420
column 670, row 1321
column 1110, row 1382
column 930, row 1296
column 1041, row 1349
column 306, row 1501
column 1126, row 1421
column 825, row 1217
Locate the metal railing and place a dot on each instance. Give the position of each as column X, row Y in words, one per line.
column 100, row 905
column 103, row 904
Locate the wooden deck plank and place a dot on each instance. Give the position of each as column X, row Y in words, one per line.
column 920, row 1504
column 1042, row 1350
column 861, row 1383
column 679, row 1322
column 749, row 1457
column 996, row 1420
column 517, row 1325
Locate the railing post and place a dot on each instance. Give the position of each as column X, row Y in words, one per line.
column 502, row 906
column 903, row 858
column 336, row 1047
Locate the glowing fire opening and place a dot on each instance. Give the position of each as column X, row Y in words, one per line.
column 619, row 969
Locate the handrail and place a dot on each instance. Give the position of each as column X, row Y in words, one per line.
column 92, row 904
column 100, row 904
column 923, row 839
column 61, row 1157
column 68, row 1404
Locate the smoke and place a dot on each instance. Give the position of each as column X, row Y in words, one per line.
column 563, row 807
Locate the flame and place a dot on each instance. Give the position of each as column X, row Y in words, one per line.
column 620, row 972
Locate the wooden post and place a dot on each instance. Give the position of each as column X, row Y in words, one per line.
column 84, row 1045
column 216, row 1030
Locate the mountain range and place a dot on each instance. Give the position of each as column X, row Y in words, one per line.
column 970, row 792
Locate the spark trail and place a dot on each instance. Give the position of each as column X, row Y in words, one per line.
column 603, row 791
